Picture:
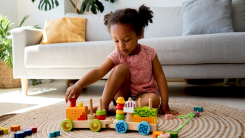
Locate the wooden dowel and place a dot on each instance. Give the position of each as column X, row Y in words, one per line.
column 91, row 106
column 100, row 104
column 76, row 7
column 139, row 103
column 150, row 104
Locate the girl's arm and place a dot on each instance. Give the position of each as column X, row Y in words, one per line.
column 162, row 85
column 91, row 77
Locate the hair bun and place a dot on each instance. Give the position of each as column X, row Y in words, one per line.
column 145, row 14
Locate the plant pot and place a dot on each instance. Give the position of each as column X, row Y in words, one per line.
column 6, row 77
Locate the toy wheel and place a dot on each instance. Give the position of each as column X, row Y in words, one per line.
column 67, row 125
column 144, row 128
column 95, row 125
column 121, row 126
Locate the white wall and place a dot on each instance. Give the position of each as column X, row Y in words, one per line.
column 9, row 8
column 128, row 3
column 37, row 17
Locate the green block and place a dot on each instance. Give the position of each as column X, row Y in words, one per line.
column 120, row 116
column 145, row 111
column 172, row 134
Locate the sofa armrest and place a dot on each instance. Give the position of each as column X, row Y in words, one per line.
column 23, row 37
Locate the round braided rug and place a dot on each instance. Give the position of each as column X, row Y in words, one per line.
column 216, row 121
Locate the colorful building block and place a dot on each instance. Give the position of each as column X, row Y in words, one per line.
column 151, row 120
column 119, row 112
column 82, row 117
column 5, row 130
column 119, row 106
column 75, row 113
column 101, row 112
column 145, row 111
column 120, row 100
column 156, row 133
column 34, row 129
column 15, row 128
column 28, row 132
column 19, row 134
column 120, row 116
column 197, row 114
column 165, row 135
column 73, row 102
column 129, row 106
column 168, row 116
column 54, row 133
column 1, row 132
column 198, row 109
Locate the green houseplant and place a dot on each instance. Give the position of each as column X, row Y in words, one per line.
column 6, row 44
column 94, row 6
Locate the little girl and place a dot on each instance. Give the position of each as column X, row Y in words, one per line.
column 137, row 72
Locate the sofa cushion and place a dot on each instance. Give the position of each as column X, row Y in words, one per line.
column 207, row 17
column 238, row 15
column 64, row 30
column 180, row 50
column 167, row 22
column 95, row 28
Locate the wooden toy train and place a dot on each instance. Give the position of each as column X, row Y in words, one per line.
column 141, row 119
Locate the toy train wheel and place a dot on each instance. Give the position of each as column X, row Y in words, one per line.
column 67, row 125
column 95, row 125
column 144, row 128
column 121, row 126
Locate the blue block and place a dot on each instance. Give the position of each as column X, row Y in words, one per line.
column 144, row 128
column 57, row 133
column 28, row 132
column 19, row 134
column 199, row 109
column 121, row 126
column 52, row 134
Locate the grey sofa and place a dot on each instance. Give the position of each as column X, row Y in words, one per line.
column 182, row 57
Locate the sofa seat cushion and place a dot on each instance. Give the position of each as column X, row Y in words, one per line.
column 68, row 55
column 222, row 48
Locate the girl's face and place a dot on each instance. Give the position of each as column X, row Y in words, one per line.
column 125, row 38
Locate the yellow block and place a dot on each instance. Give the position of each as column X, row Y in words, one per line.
column 150, row 120
column 74, row 113
column 80, row 104
column 5, row 130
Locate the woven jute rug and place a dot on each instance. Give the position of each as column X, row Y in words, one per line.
column 216, row 121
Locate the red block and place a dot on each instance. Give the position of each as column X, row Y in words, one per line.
column 34, row 129
column 73, row 102
column 82, row 117
column 101, row 117
column 119, row 106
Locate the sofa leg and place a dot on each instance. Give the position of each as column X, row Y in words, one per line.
column 68, row 83
column 24, row 85
column 226, row 81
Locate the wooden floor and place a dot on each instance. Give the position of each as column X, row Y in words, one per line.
column 12, row 101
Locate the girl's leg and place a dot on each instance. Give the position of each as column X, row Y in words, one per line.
column 117, row 85
column 145, row 99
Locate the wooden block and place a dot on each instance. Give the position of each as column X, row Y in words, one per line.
column 197, row 114
column 28, row 132
column 165, row 135
column 120, row 100
column 5, row 130
column 145, row 111
column 73, row 102
column 120, row 116
column 82, row 117
column 139, row 103
column 151, row 120
column 156, row 133
column 74, row 113
column 150, row 104
column 57, row 133
column 15, row 128
column 173, row 134
column 101, row 117
column 85, row 123
column 34, row 129
column 168, row 116
column 52, row 134
column 130, row 117
column 19, row 134
column 100, row 104
column 129, row 106
column 91, row 117
column 198, row 109
column 119, row 106
column 119, row 112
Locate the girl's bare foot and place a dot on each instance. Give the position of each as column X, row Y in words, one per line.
column 111, row 109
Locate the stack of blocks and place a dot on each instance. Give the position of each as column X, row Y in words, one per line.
column 146, row 113
column 119, row 112
column 74, row 112
column 101, row 113
column 197, row 111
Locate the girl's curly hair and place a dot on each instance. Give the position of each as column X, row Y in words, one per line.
column 137, row 19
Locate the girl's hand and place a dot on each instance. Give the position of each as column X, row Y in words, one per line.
column 71, row 91
column 169, row 112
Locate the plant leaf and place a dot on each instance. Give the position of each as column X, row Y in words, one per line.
column 99, row 5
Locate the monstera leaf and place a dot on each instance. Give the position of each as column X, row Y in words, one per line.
column 47, row 4
column 93, row 5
